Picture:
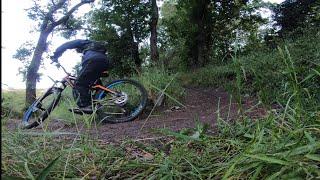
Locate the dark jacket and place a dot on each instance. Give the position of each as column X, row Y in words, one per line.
column 81, row 44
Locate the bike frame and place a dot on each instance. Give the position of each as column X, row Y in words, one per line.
column 69, row 80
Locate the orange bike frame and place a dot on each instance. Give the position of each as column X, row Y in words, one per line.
column 104, row 88
column 68, row 80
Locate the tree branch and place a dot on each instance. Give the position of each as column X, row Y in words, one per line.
column 55, row 8
column 52, row 1
column 80, row 28
column 44, row 14
column 67, row 16
column 38, row 7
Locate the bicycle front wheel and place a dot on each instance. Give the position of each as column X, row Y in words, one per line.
column 41, row 108
column 126, row 104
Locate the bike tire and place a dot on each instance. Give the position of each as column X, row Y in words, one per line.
column 135, row 110
column 42, row 106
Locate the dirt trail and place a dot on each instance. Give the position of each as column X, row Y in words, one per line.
column 201, row 104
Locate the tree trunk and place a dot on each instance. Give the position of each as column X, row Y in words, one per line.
column 199, row 50
column 32, row 74
column 135, row 51
column 47, row 27
column 201, row 42
column 153, row 28
column 134, row 48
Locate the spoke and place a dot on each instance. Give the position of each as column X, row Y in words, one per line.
column 118, row 107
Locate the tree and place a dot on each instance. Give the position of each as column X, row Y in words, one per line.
column 23, row 54
column 153, row 29
column 189, row 27
column 124, row 25
column 48, row 22
column 204, row 31
column 291, row 16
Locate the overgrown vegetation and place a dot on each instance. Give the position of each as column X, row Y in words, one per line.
column 160, row 82
column 266, row 72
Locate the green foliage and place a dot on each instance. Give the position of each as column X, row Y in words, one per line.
column 295, row 16
column 23, row 54
column 123, row 24
column 52, row 11
column 204, row 32
column 209, row 76
column 70, row 27
column 269, row 71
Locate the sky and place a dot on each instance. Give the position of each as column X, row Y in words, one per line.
column 15, row 29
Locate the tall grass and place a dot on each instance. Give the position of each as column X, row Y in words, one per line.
column 283, row 145
column 209, row 76
column 12, row 103
column 272, row 73
column 155, row 80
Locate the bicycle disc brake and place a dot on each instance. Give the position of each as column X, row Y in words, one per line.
column 121, row 99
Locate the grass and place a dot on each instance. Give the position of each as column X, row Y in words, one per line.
column 155, row 80
column 209, row 76
column 12, row 103
column 272, row 147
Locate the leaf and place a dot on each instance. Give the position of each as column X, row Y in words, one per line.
column 304, row 149
column 28, row 170
column 248, row 135
column 195, row 168
column 44, row 173
column 308, row 77
column 273, row 176
column 317, row 72
column 268, row 159
column 229, row 171
column 310, row 138
column 256, row 174
column 11, row 178
column 314, row 157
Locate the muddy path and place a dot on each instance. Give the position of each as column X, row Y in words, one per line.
column 201, row 104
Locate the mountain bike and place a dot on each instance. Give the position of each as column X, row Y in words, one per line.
column 118, row 101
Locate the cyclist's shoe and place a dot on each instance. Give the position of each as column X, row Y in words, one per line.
column 82, row 110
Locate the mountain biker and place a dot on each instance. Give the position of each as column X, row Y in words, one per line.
column 94, row 62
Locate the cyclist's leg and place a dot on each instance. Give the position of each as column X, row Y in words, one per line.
column 89, row 73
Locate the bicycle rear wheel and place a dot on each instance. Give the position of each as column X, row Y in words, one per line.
column 125, row 105
column 41, row 108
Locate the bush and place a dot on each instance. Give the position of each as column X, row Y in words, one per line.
column 268, row 72
column 210, row 76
